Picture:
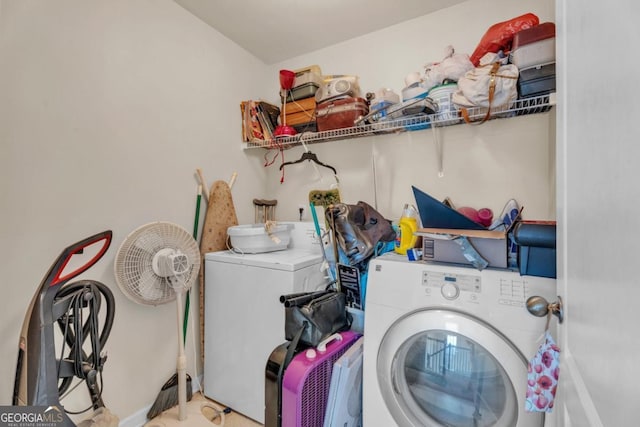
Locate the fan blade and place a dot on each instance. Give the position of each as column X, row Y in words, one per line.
column 151, row 288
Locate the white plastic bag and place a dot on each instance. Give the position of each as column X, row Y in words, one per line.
column 453, row 67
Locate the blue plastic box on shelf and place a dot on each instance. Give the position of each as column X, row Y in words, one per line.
column 536, row 242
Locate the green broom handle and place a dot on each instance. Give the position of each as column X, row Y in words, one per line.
column 195, row 237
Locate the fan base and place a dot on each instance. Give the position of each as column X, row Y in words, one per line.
column 200, row 412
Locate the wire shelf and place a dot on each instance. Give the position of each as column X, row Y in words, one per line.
column 533, row 105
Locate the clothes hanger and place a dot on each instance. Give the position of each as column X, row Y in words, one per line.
column 308, row 155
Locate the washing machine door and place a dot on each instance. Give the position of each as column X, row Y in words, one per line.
column 447, row 368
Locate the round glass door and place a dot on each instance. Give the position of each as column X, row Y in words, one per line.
column 445, row 368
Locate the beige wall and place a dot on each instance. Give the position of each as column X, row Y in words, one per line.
column 106, row 110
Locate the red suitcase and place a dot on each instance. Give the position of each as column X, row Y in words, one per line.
column 340, row 113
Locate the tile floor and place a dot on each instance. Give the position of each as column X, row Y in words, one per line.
column 235, row 419
column 202, row 412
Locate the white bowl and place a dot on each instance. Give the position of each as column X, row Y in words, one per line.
column 257, row 238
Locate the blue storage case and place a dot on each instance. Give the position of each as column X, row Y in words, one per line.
column 536, row 248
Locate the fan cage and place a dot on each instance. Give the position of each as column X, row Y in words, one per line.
column 134, row 270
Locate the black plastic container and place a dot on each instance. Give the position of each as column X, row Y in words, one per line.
column 537, row 81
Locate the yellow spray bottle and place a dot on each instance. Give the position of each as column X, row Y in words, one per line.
column 407, row 226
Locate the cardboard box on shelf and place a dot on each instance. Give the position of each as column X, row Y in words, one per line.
column 299, row 117
column 302, row 111
column 306, row 104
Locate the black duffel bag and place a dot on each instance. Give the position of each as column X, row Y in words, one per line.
column 321, row 314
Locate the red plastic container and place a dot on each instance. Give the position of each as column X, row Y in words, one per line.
column 534, row 46
column 534, row 34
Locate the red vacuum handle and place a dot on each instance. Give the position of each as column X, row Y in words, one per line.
column 55, row 277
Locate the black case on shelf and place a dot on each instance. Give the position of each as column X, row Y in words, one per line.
column 537, row 81
column 306, row 127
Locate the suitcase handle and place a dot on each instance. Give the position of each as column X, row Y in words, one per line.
column 322, row 346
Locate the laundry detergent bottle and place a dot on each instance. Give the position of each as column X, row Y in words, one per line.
column 407, row 226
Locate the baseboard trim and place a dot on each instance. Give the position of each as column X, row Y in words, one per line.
column 139, row 418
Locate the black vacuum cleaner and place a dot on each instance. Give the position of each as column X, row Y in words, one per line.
column 42, row 377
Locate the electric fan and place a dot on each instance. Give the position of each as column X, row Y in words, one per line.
column 158, row 263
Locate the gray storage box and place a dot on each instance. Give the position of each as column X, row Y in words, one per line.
column 304, row 91
column 446, row 245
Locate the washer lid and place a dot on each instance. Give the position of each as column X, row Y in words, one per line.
column 287, row 260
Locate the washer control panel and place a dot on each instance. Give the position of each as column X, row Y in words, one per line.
column 450, row 285
column 514, row 291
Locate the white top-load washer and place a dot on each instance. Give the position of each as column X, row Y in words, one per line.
column 448, row 345
column 244, row 319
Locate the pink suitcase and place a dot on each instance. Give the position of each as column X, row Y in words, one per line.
column 306, row 381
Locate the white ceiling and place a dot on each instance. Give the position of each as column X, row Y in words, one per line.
column 276, row 30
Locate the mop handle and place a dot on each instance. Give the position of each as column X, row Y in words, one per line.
column 315, row 220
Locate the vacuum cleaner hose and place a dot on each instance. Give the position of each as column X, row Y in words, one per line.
column 73, row 298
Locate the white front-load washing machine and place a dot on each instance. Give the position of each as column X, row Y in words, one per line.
column 244, row 319
column 448, row 346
